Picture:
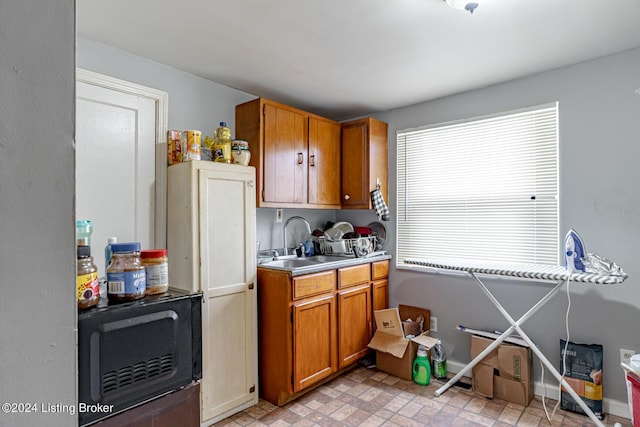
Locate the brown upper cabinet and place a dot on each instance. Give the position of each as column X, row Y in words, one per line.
column 364, row 162
column 296, row 155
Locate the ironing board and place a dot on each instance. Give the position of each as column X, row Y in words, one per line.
column 534, row 272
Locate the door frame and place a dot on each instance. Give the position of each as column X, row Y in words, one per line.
column 161, row 99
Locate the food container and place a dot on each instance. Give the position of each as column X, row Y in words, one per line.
column 126, row 275
column 192, row 144
column 174, row 147
column 88, row 287
column 240, row 153
column 156, row 266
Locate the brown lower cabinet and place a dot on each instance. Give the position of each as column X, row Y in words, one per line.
column 316, row 325
column 180, row 408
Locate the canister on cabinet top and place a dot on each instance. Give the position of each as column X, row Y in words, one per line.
column 240, row 153
column 174, row 147
column 156, row 266
column 192, row 140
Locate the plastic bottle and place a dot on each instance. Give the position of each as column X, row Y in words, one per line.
column 84, row 228
column 222, row 146
column 439, row 361
column 422, row 367
column 107, row 253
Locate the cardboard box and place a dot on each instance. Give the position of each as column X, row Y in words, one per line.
column 395, row 353
column 506, row 373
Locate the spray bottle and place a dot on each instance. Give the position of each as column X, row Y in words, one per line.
column 439, row 361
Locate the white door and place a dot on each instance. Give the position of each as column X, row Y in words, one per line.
column 116, row 162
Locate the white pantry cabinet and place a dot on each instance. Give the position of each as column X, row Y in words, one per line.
column 211, row 243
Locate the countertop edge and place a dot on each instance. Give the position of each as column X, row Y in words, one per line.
column 347, row 262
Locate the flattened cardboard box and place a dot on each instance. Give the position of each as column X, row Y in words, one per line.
column 395, row 353
column 506, row 373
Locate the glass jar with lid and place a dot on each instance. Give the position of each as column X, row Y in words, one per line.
column 126, row 278
column 87, row 284
column 156, row 266
column 240, row 153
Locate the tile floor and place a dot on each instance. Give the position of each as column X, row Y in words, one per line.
column 368, row 397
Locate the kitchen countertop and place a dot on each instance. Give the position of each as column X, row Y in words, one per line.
column 330, row 265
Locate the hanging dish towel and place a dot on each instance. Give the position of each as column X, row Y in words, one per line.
column 379, row 205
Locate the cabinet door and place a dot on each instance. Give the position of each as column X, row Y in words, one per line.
column 364, row 161
column 380, row 291
column 227, row 264
column 314, row 338
column 355, row 165
column 285, row 155
column 354, row 318
column 380, row 296
column 324, row 162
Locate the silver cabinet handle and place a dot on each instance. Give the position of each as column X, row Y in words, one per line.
column 312, row 160
column 347, row 197
column 299, row 158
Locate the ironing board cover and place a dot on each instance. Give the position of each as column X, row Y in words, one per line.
column 525, row 271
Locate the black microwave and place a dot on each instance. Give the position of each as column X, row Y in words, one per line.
column 132, row 352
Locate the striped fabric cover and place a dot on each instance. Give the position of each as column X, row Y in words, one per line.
column 525, row 271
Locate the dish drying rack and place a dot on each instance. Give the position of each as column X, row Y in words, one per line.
column 326, row 246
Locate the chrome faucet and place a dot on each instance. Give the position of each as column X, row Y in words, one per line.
column 286, row 251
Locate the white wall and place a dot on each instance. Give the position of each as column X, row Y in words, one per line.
column 37, row 254
column 599, row 111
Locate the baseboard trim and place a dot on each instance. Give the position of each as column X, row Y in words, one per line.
column 613, row 407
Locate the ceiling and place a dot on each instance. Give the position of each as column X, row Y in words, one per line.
column 345, row 58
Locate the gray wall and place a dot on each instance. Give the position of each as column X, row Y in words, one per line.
column 37, row 254
column 599, row 111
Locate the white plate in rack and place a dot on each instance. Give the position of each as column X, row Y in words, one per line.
column 338, row 230
column 345, row 227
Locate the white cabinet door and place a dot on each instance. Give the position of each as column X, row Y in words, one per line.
column 211, row 239
column 227, row 279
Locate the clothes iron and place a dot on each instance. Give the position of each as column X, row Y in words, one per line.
column 574, row 251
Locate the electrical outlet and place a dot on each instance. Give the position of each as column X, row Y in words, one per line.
column 434, row 324
column 625, row 355
column 279, row 215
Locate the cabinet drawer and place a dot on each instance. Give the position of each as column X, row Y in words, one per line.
column 314, row 284
column 380, row 269
column 355, row 275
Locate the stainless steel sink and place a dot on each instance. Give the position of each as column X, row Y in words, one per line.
column 297, row 263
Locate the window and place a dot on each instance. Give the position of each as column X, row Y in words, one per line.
column 483, row 189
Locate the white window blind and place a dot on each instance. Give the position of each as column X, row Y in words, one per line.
column 484, row 189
